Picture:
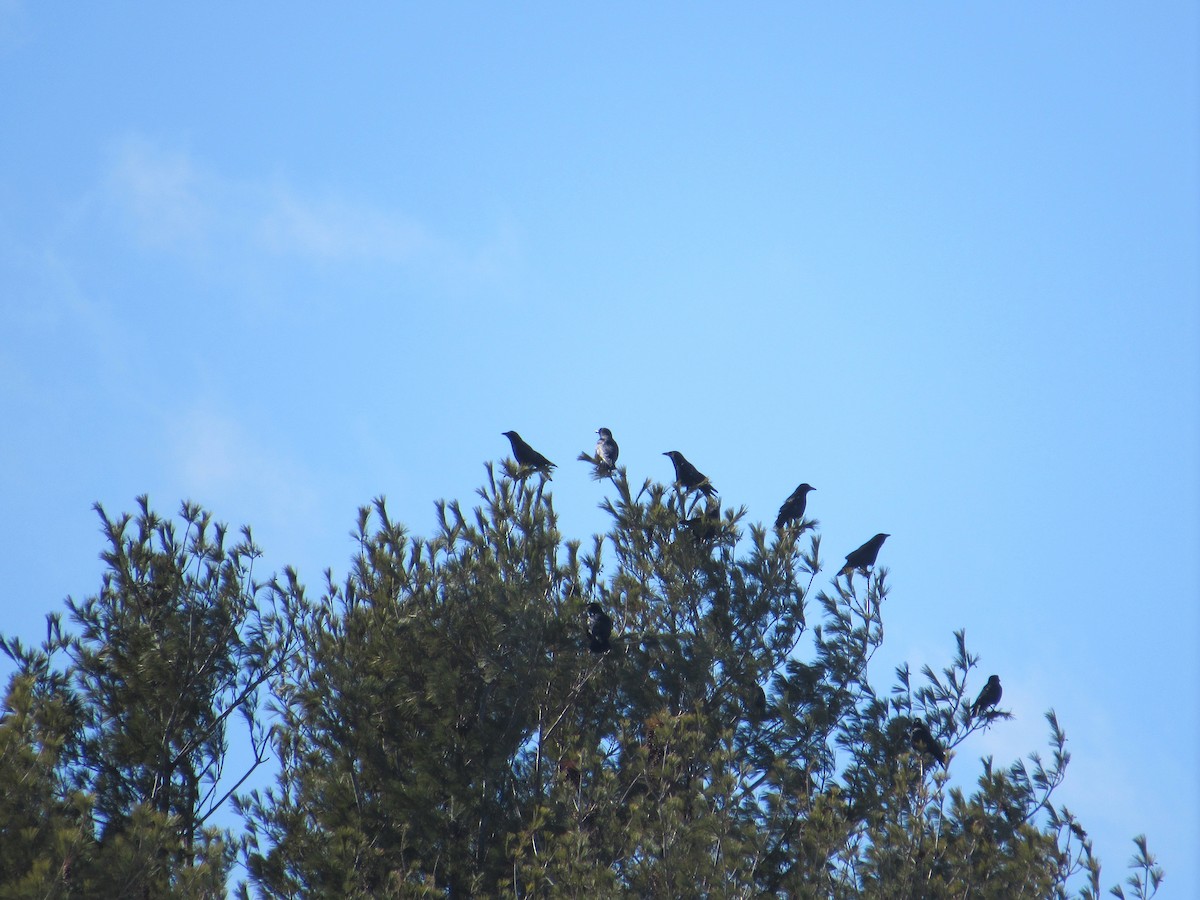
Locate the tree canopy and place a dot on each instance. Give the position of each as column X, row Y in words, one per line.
column 446, row 724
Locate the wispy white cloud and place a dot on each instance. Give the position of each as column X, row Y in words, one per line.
column 175, row 202
column 216, row 460
column 52, row 322
column 169, row 201
column 335, row 230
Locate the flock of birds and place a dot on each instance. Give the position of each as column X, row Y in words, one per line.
column 689, row 477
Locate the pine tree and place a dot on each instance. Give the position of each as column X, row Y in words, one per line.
column 453, row 731
column 127, row 741
column 447, row 723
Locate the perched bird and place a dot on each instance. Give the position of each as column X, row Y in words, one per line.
column 569, row 769
column 923, row 741
column 864, row 557
column 689, row 476
column 599, row 628
column 989, row 696
column 793, row 507
column 756, row 703
column 526, row 456
column 707, row 525
column 607, row 450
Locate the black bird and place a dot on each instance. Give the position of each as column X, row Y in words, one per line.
column 864, row 557
column 793, row 507
column 923, row 741
column 989, row 696
column 599, row 628
column 526, row 456
column 689, row 476
column 756, row 703
column 707, row 525
column 607, row 450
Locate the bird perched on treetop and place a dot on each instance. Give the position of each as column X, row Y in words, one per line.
column 864, row 557
column 793, row 507
column 526, row 456
column 989, row 696
column 689, row 476
column 607, row 449
column 923, row 741
column 599, row 628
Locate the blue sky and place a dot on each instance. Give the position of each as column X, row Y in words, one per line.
column 939, row 261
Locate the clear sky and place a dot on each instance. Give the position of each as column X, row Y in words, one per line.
column 937, row 259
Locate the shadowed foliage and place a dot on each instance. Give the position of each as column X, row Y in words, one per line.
column 675, row 709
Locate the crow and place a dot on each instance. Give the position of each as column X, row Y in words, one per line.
column 793, row 507
column 607, row 450
column 526, row 456
column 864, row 557
column 599, row 628
column 756, row 703
column 923, row 741
column 707, row 525
column 689, row 476
column 988, row 697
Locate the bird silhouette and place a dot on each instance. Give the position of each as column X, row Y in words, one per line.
column 705, row 526
column 756, row 703
column 793, row 507
column 599, row 629
column 923, row 741
column 989, row 696
column 689, row 476
column 864, row 557
column 526, row 456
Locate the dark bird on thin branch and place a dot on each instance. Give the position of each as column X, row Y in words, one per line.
column 989, row 696
column 864, row 557
column 599, row 629
column 689, row 476
column 923, row 741
column 793, row 507
column 526, row 456
column 707, row 525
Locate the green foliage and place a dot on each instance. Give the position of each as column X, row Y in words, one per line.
column 1147, row 874
column 42, row 825
column 121, row 750
column 444, row 729
column 449, row 733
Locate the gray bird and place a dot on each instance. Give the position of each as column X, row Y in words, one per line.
column 989, row 696
column 689, row 476
column 793, row 507
column 864, row 557
column 526, row 456
column 607, row 450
